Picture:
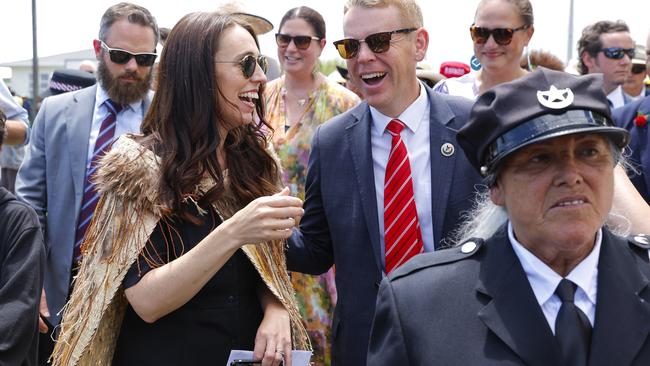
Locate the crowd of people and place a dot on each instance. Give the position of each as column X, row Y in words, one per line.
column 174, row 206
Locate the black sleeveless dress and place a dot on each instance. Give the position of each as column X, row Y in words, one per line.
column 223, row 315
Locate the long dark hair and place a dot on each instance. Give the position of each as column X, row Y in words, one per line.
column 309, row 15
column 181, row 125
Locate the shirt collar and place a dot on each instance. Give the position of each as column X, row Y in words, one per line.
column 544, row 280
column 412, row 115
column 102, row 96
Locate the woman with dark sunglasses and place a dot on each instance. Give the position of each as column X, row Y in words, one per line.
column 298, row 102
column 500, row 32
column 184, row 260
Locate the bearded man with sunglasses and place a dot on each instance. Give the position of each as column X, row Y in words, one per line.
column 606, row 47
column 71, row 131
column 386, row 179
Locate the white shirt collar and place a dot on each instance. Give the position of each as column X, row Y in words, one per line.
column 616, row 97
column 544, row 280
column 412, row 115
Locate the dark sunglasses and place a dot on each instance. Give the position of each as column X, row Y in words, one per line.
column 301, row 42
column 617, row 53
column 248, row 64
column 638, row 69
column 502, row 36
column 121, row 57
column 378, row 43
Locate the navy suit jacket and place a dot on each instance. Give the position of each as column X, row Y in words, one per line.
column 340, row 224
column 640, row 152
column 451, row 308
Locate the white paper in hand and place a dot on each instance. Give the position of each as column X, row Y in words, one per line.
column 298, row 358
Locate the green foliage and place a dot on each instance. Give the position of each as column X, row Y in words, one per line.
column 326, row 67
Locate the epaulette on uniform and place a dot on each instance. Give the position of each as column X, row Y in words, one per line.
column 444, row 256
column 640, row 240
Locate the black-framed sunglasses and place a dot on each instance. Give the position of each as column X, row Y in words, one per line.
column 502, row 36
column 638, row 69
column 121, row 57
column 301, row 42
column 248, row 64
column 617, row 53
column 378, row 43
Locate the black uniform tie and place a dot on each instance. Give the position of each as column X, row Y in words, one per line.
column 572, row 327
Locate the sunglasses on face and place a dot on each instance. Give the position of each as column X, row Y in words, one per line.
column 378, row 43
column 301, row 42
column 617, row 53
column 502, row 36
column 249, row 63
column 121, row 57
column 638, row 69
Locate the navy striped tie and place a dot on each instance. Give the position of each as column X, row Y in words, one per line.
column 91, row 196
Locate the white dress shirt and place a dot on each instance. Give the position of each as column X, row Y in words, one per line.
column 544, row 280
column 128, row 120
column 416, row 138
column 616, row 97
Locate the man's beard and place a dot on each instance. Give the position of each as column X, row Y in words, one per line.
column 123, row 93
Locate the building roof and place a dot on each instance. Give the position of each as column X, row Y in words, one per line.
column 59, row 60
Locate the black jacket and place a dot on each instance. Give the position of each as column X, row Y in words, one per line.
column 454, row 308
column 22, row 264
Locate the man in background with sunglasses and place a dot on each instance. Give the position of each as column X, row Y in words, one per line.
column 634, row 85
column 635, row 118
column 386, row 179
column 606, row 47
column 71, row 132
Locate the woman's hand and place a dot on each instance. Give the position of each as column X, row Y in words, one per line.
column 266, row 218
column 273, row 339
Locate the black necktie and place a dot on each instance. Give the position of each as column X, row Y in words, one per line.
column 572, row 328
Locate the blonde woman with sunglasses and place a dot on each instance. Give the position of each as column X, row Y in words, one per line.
column 297, row 103
column 500, row 32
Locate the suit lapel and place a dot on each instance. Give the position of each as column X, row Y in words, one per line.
column 358, row 134
column 79, row 118
column 442, row 166
column 513, row 314
column 622, row 322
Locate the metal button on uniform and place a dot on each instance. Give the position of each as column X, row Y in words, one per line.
column 641, row 239
column 468, row 247
column 231, row 298
column 447, row 149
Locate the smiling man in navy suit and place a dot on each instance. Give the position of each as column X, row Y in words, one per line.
column 386, row 179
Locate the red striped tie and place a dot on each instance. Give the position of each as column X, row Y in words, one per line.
column 91, row 196
column 402, row 234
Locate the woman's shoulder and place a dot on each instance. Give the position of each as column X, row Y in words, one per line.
column 463, row 86
column 336, row 93
column 129, row 169
column 274, row 86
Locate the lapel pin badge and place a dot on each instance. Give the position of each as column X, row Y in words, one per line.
column 447, row 149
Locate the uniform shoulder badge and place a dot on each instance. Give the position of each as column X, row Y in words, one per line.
column 439, row 257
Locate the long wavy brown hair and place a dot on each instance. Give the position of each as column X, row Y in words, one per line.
column 181, row 125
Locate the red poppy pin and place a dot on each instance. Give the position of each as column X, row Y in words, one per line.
column 641, row 119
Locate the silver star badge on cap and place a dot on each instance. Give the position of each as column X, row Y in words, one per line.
column 555, row 98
